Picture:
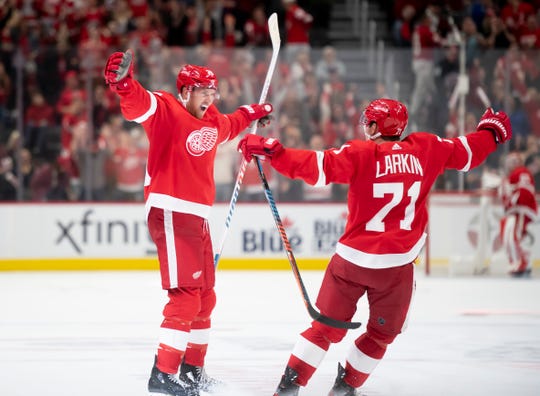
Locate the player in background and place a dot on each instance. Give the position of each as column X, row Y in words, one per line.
column 389, row 183
column 298, row 23
column 517, row 192
column 183, row 133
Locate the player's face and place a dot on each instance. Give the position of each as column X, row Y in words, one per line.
column 200, row 100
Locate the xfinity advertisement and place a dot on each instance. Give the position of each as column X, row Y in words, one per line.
column 118, row 231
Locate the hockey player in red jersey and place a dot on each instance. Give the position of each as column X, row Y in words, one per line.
column 517, row 192
column 389, row 182
column 183, row 133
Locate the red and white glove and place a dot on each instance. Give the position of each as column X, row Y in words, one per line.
column 498, row 123
column 119, row 70
column 252, row 145
column 259, row 112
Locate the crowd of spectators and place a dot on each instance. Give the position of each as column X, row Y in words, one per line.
column 501, row 43
column 75, row 145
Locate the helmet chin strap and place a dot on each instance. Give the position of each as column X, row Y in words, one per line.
column 184, row 101
column 368, row 136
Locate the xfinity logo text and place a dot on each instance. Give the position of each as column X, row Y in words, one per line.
column 89, row 230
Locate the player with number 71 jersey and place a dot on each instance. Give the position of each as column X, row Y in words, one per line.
column 389, row 181
column 389, row 184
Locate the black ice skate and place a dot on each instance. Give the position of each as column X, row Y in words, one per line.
column 161, row 383
column 341, row 388
column 287, row 385
column 521, row 274
column 197, row 377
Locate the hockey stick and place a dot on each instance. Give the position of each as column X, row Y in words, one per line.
column 273, row 28
column 292, row 261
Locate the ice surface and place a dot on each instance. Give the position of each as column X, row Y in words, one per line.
column 94, row 333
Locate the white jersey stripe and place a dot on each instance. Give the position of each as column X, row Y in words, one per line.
column 171, row 248
column 370, row 260
column 322, row 177
column 150, row 111
column 164, row 201
column 308, row 352
column 147, row 178
column 465, row 143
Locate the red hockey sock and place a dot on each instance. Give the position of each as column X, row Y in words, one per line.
column 168, row 359
column 304, row 370
column 195, row 354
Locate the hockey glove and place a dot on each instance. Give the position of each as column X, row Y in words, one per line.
column 498, row 123
column 252, row 145
column 259, row 112
column 119, row 70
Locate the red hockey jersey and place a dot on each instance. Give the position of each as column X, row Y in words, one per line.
column 518, row 193
column 389, row 187
column 297, row 23
column 182, row 148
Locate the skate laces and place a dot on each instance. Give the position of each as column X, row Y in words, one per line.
column 193, row 374
column 197, row 376
column 204, row 380
column 177, row 381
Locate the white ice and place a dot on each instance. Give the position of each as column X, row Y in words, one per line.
column 94, row 333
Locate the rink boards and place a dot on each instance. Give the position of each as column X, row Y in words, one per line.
column 113, row 236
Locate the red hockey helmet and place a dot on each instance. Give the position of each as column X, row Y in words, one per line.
column 390, row 115
column 193, row 76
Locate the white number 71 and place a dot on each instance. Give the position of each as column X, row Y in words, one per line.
column 396, row 189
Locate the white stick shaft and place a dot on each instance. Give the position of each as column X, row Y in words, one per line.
column 483, row 97
column 276, row 43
